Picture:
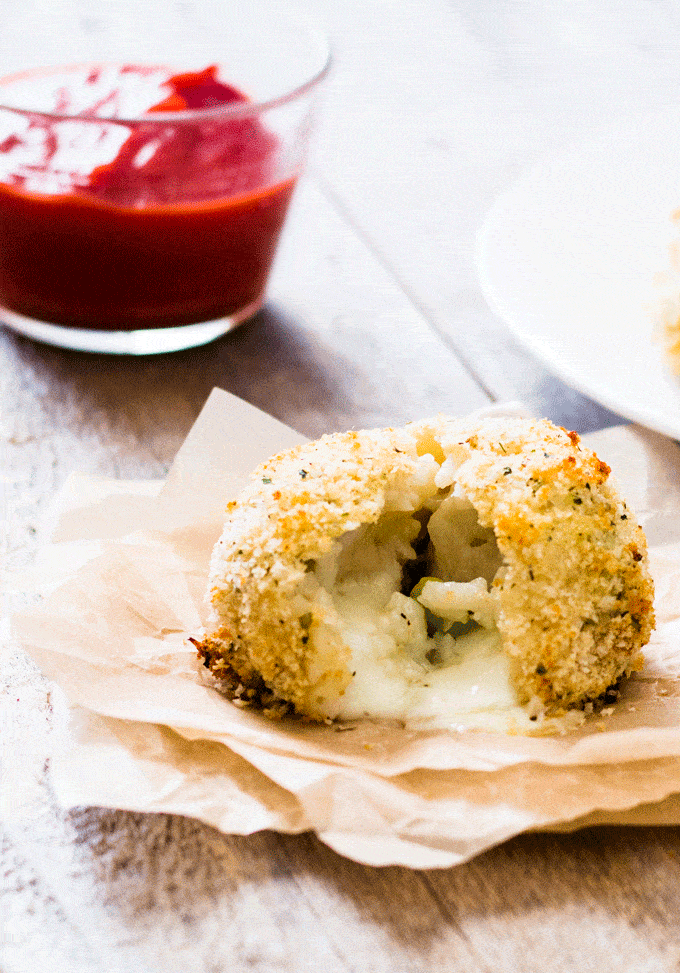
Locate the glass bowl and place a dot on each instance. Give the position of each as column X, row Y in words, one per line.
column 144, row 186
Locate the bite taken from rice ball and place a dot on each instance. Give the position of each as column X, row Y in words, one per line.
column 464, row 570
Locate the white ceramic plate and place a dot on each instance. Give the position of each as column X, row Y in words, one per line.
column 568, row 257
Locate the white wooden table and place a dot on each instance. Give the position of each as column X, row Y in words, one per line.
column 376, row 316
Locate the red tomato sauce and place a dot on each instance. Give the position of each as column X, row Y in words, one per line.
column 180, row 226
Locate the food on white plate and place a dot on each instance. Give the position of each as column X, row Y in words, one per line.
column 446, row 569
column 669, row 319
column 666, row 310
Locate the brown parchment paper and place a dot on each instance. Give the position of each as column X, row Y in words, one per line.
column 123, row 587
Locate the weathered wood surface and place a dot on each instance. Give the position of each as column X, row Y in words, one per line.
column 376, row 316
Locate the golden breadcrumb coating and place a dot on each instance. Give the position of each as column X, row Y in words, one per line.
column 574, row 587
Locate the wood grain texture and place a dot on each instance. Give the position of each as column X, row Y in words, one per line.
column 375, row 316
column 451, row 104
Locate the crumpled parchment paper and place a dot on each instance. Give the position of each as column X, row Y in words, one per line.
column 123, row 587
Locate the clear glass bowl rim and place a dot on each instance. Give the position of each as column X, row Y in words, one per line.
column 237, row 110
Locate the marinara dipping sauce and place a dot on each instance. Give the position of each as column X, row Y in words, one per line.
column 166, row 220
